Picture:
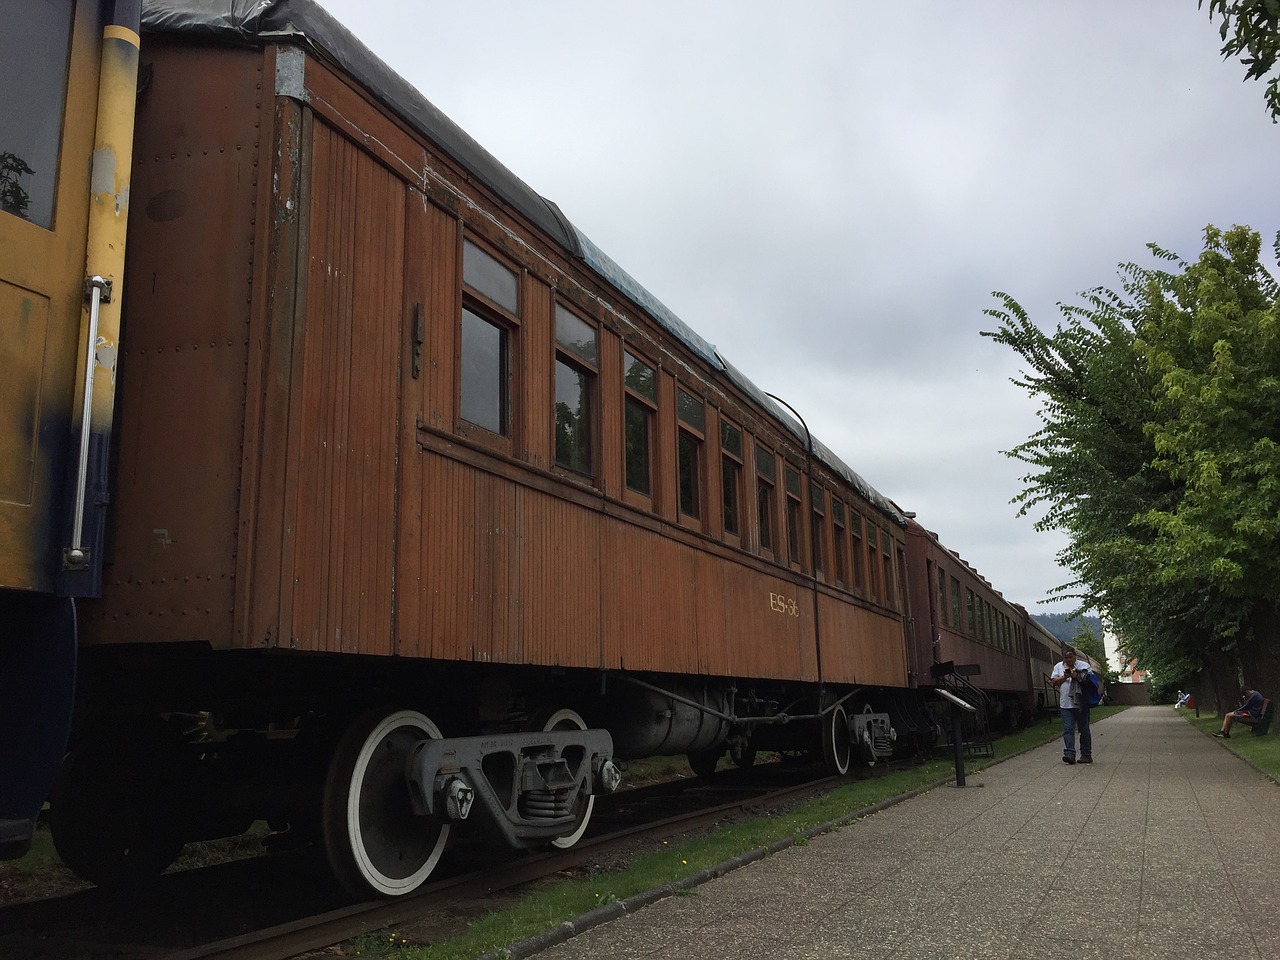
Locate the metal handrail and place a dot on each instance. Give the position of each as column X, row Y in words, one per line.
column 98, row 290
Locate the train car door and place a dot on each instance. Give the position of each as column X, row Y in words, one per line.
column 49, row 66
column 63, row 66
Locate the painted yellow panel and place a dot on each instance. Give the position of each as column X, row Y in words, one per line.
column 42, row 269
column 24, row 324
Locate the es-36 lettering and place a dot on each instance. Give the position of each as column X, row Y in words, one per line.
column 781, row 603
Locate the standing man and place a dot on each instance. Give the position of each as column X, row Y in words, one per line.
column 1073, row 700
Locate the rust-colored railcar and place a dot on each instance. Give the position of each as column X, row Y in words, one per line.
column 962, row 621
column 402, row 456
column 423, row 511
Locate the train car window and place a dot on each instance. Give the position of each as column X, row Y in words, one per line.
column 640, row 404
column 886, row 560
column 973, row 622
column 576, row 336
column 942, row 593
column 818, row 523
column 486, row 276
column 692, row 415
column 840, row 542
column 873, row 568
column 35, row 53
column 576, row 351
column 731, row 477
column 691, row 411
column 859, row 567
column 791, row 481
column 766, row 480
column 490, row 313
column 485, row 370
column 690, row 480
column 955, row 603
column 639, row 378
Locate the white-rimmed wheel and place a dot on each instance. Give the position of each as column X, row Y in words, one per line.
column 376, row 845
column 567, row 720
column 837, row 747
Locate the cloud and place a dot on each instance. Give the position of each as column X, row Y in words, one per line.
column 829, row 191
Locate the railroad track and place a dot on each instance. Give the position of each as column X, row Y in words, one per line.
column 627, row 818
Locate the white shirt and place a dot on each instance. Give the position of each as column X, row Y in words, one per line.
column 1067, row 692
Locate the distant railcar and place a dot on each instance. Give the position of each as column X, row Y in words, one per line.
column 422, row 511
column 960, row 619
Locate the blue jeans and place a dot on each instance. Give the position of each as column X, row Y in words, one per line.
column 1073, row 717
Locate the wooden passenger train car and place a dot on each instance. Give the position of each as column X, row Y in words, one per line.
column 960, row 619
column 422, row 511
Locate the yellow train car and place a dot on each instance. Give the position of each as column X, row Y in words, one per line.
column 66, row 135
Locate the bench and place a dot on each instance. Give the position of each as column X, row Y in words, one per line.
column 1263, row 725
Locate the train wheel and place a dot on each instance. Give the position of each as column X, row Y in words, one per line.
column 108, row 812
column 568, row 720
column 836, row 744
column 375, row 843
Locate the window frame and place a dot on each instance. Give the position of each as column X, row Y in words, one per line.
column 887, row 546
column 858, row 551
column 793, row 515
column 692, row 436
column 873, row 557
column 732, row 471
column 633, row 399
column 766, row 488
column 564, row 354
column 839, row 543
column 483, row 307
column 817, row 526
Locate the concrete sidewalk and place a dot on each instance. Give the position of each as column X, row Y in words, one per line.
column 1168, row 846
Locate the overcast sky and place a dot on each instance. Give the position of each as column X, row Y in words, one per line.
column 830, row 191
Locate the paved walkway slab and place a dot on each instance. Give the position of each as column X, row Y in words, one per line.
column 1167, row 846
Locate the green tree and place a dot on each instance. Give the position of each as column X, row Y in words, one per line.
column 1158, row 456
column 13, row 199
column 1250, row 30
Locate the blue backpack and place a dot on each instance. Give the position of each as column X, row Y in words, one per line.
column 1093, row 688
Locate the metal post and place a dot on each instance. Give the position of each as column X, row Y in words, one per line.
column 957, row 737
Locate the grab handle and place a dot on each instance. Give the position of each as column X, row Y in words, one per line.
column 98, row 290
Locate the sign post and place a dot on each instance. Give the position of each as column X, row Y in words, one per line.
column 956, row 736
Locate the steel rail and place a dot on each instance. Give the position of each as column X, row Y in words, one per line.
column 326, row 929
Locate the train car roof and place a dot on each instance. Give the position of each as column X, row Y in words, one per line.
column 305, row 22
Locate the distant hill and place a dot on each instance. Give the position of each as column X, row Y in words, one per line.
column 1065, row 627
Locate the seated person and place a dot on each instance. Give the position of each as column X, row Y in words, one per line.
column 1184, row 700
column 1249, row 712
